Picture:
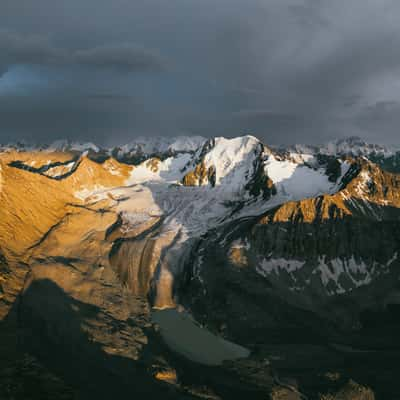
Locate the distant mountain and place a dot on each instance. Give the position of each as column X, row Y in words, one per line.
column 149, row 146
column 387, row 157
column 153, row 145
column 353, row 145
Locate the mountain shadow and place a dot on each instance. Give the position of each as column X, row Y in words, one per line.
column 51, row 327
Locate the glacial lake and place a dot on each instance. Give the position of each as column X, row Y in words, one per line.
column 186, row 337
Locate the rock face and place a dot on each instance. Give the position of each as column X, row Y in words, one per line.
column 290, row 254
column 351, row 391
column 200, row 176
column 334, row 242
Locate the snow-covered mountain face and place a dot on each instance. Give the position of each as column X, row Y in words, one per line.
column 224, row 179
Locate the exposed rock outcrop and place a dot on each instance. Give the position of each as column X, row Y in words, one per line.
column 351, row 391
column 200, row 176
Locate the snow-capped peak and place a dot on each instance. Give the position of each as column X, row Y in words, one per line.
column 349, row 146
column 67, row 145
column 160, row 144
column 233, row 159
column 355, row 146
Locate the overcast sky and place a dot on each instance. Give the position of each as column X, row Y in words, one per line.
column 287, row 71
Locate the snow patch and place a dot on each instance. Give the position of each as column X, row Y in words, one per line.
column 295, row 181
column 95, row 194
column 276, row 265
column 169, row 170
column 332, row 273
column 60, row 170
column 241, row 244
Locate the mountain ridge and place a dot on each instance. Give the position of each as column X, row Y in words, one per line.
column 150, row 145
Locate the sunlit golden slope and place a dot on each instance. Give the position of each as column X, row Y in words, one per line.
column 90, row 174
column 38, row 211
column 30, row 205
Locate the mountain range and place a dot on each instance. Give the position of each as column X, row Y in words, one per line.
column 201, row 268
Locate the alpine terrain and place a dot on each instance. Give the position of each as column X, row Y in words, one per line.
column 193, row 268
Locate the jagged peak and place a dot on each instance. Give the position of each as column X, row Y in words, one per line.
column 161, row 144
column 365, row 190
column 351, row 145
column 372, row 184
column 68, row 145
column 225, row 161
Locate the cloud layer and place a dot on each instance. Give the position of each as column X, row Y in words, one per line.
column 285, row 70
column 37, row 50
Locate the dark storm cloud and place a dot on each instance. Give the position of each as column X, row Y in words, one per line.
column 77, row 117
column 124, row 57
column 306, row 14
column 26, row 49
column 382, row 117
column 271, row 121
column 110, row 97
column 18, row 49
column 284, row 70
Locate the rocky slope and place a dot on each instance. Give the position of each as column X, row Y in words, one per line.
column 289, row 249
